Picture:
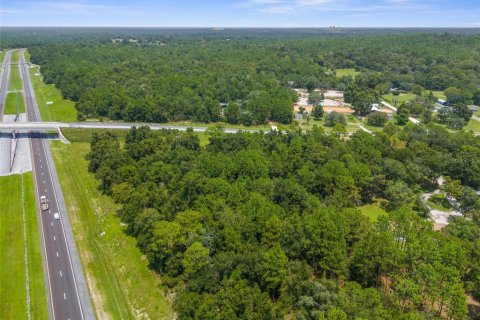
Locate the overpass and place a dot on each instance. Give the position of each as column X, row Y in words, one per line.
column 47, row 126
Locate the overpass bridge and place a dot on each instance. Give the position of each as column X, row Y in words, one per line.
column 57, row 126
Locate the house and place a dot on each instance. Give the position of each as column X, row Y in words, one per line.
column 376, row 108
column 298, row 116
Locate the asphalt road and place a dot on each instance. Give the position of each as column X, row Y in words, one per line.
column 66, row 287
column 4, row 80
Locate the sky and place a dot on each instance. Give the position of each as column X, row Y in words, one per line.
column 241, row 13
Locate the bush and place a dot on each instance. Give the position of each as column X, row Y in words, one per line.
column 334, row 118
column 439, row 199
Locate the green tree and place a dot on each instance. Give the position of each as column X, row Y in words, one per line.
column 274, row 269
column 377, row 119
column 334, row 118
column 195, row 258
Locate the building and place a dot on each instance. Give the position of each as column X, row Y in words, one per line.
column 376, row 108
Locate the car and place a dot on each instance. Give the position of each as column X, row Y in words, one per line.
column 44, row 206
column 56, row 216
column 43, row 199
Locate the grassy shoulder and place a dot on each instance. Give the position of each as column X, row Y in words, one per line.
column 50, row 101
column 13, row 304
column 14, row 99
column 120, row 282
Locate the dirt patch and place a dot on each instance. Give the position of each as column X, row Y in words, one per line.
column 344, row 110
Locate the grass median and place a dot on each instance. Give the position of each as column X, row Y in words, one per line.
column 15, row 81
column 13, row 293
column 13, row 100
column 119, row 280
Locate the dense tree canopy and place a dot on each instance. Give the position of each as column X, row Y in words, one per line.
column 263, row 226
column 247, row 79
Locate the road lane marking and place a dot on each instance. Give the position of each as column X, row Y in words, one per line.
column 61, row 273
column 64, row 296
column 54, row 238
column 57, row 254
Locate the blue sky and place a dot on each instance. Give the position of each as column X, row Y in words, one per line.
column 241, row 13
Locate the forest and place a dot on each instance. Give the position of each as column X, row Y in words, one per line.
column 248, row 80
column 267, row 226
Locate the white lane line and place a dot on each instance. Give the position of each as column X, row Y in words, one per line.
column 54, row 238
column 57, row 254
column 61, row 273
column 64, row 296
column 51, row 223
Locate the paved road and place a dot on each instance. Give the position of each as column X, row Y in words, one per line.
column 67, row 290
column 102, row 125
column 4, row 80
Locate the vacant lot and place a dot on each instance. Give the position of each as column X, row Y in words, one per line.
column 402, row 97
column 121, row 285
column 50, row 101
column 13, row 302
column 13, row 100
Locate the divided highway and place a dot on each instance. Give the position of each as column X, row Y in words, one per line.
column 66, row 288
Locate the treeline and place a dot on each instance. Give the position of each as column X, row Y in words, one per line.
column 265, row 226
column 247, row 80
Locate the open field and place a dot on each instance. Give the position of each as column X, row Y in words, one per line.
column 347, row 73
column 15, row 81
column 60, row 109
column 372, row 211
column 473, row 125
column 119, row 280
column 13, row 303
column 14, row 98
column 402, row 97
column 437, row 94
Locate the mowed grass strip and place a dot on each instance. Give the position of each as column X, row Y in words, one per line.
column 120, row 283
column 13, row 302
column 50, row 101
column 14, row 99
column 15, row 81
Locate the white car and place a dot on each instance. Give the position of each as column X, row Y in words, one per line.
column 43, row 199
column 44, row 206
column 56, row 216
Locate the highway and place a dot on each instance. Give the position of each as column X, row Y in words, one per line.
column 4, row 80
column 66, row 288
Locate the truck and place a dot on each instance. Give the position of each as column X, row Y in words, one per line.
column 43, row 203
